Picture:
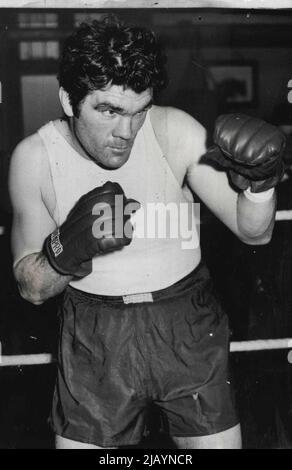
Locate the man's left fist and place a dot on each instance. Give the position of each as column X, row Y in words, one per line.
column 250, row 149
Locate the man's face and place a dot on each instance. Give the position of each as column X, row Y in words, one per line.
column 108, row 123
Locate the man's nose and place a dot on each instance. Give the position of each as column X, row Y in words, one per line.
column 123, row 128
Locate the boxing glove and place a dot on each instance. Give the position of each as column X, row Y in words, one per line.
column 93, row 227
column 250, row 149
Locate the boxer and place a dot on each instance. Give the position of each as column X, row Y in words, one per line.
column 141, row 324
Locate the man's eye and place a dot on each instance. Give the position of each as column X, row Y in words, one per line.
column 140, row 113
column 108, row 112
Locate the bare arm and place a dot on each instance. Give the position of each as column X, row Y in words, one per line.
column 37, row 280
column 251, row 222
column 32, row 222
column 256, row 220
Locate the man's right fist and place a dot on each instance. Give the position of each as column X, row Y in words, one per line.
column 97, row 224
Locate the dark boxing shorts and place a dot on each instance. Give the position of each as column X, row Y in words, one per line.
column 117, row 359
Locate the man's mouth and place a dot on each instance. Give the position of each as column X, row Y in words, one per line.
column 119, row 149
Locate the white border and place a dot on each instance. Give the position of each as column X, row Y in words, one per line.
column 242, row 4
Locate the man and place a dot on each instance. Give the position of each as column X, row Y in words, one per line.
column 141, row 324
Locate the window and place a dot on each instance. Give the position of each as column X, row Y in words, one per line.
column 37, row 20
column 36, row 50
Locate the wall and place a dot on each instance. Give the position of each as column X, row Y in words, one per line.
column 188, row 78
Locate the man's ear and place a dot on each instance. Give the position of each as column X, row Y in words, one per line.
column 65, row 102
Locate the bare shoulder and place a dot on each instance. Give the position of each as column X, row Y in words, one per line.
column 29, row 167
column 175, row 117
column 181, row 136
column 30, row 151
column 27, row 161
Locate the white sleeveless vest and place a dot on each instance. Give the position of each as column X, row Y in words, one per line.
column 160, row 253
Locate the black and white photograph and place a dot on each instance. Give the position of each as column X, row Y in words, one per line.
column 145, row 227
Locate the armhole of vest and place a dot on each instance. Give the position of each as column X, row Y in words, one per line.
column 44, row 136
column 165, row 130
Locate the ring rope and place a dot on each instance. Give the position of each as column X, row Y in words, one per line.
column 235, row 346
column 261, row 345
column 283, row 215
column 26, row 360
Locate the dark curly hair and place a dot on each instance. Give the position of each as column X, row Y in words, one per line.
column 109, row 52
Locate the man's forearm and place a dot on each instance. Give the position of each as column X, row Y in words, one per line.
column 256, row 219
column 37, row 280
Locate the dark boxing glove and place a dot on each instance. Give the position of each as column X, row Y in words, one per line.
column 250, row 149
column 97, row 224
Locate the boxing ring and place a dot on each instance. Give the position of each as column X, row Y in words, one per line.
column 235, row 346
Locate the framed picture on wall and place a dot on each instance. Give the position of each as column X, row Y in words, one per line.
column 233, row 82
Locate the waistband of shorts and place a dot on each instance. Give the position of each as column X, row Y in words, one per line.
column 195, row 277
